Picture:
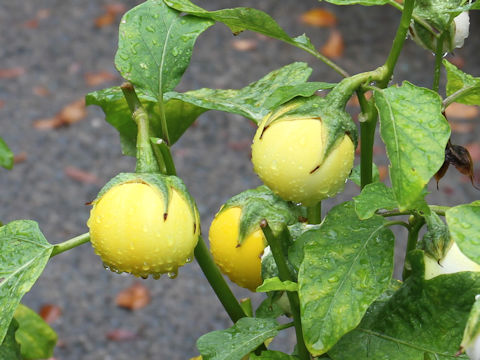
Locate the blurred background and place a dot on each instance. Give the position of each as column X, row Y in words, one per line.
column 53, row 52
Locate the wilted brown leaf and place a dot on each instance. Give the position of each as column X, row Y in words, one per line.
column 382, row 172
column 319, row 17
column 461, row 111
column 111, row 12
column 244, row 44
column 134, row 297
column 50, row 313
column 334, row 46
column 19, row 158
column 41, row 90
column 81, row 175
column 70, row 114
column 461, row 158
column 98, row 78
column 121, row 335
column 11, row 73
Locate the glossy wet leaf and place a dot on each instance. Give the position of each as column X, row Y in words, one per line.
column 180, row 115
column 355, row 175
column 155, row 45
column 464, row 225
column 251, row 101
column 415, row 134
column 10, row 348
column 273, row 355
column 24, row 252
column 36, row 338
column 269, row 308
column 459, row 80
column 423, row 317
column 275, row 284
column 438, row 13
column 374, row 196
column 234, row 343
column 288, row 92
column 347, row 264
column 6, row 155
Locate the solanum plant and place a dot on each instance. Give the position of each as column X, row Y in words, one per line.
column 331, row 275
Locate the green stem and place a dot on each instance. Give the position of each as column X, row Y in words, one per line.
column 70, row 244
column 217, row 282
column 401, row 223
column 439, row 210
column 438, row 61
column 284, row 273
column 314, row 213
column 285, row 326
column 453, row 97
column 322, row 58
column 367, row 134
column 246, row 305
column 417, row 19
column 146, row 162
column 163, row 120
column 415, row 224
column 163, row 154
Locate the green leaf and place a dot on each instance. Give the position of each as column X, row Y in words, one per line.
column 155, row 46
column 437, row 12
column 180, row 115
column 9, row 348
column 269, row 308
column 288, row 92
column 234, row 343
column 360, row 2
column 472, row 329
column 464, row 225
column 252, row 100
column 415, row 134
column 6, row 155
column 355, row 176
column 36, row 337
column 272, row 355
column 423, row 317
column 374, row 197
column 24, row 252
column 458, row 80
column 275, row 284
column 242, row 18
column 347, row 264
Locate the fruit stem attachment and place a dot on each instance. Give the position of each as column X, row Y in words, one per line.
column 70, row 244
column 314, row 213
column 163, row 155
column 217, row 282
column 146, row 162
column 284, row 273
column 415, row 223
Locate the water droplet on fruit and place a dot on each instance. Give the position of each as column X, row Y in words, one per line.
column 172, row 274
column 189, row 259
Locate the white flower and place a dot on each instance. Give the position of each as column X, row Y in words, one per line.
column 473, row 350
column 462, row 25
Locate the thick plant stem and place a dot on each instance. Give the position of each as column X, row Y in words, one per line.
column 415, row 224
column 459, row 93
column 438, row 62
column 163, row 155
column 367, row 134
column 314, row 213
column 217, row 282
column 284, row 273
column 417, row 19
column 70, row 244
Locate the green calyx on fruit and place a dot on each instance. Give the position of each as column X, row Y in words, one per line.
column 436, row 241
column 144, row 224
column 304, row 150
column 236, row 240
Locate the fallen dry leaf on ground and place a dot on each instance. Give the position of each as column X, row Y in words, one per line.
column 19, row 158
column 98, row 78
column 244, row 44
column 461, row 111
column 81, row 175
column 121, row 335
column 111, row 12
column 41, row 90
column 50, row 313
column 134, row 297
column 70, row 114
column 334, row 46
column 319, row 17
column 11, row 73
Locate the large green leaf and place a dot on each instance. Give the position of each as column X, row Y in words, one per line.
column 422, row 320
column 10, row 348
column 356, row 177
column 458, row 80
column 234, row 343
column 347, row 264
column 180, row 115
column 437, row 12
column 251, row 101
column 6, row 155
column 36, row 337
column 24, row 252
column 464, row 225
column 242, row 18
column 373, row 197
column 415, row 134
column 155, row 46
column 273, row 355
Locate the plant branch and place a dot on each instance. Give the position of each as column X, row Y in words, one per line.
column 453, row 97
column 438, row 61
column 324, row 59
column 314, row 213
column 439, row 210
column 401, row 223
column 415, row 224
column 284, row 273
column 70, row 244
column 417, row 19
column 163, row 155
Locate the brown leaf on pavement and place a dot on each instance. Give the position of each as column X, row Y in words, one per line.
column 319, row 17
column 334, row 46
column 111, row 12
column 50, row 313
column 19, row 158
column 70, row 114
column 134, row 297
column 121, row 335
column 98, row 78
column 11, row 73
column 41, row 90
column 461, row 111
column 244, row 44
column 81, row 175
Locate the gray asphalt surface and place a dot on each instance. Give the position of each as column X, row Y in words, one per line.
column 212, row 158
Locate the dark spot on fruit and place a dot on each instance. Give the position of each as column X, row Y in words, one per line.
column 316, row 168
column 165, row 215
column 263, row 130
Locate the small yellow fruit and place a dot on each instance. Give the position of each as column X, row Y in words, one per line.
column 131, row 232
column 241, row 263
column 289, row 158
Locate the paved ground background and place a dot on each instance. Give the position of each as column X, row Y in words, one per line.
column 57, row 43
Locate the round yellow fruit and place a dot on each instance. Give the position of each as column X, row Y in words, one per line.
column 241, row 263
column 289, row 158
column 131, row 233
